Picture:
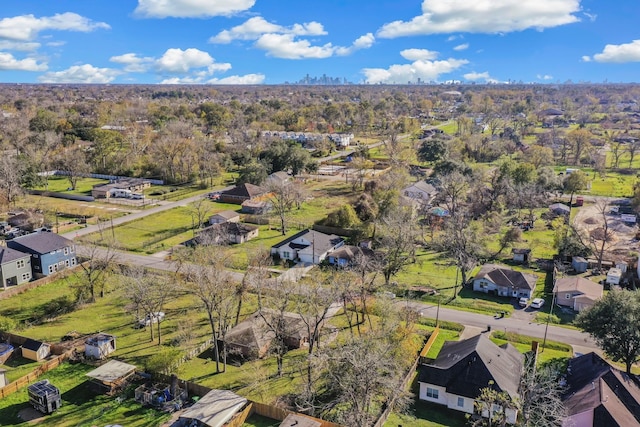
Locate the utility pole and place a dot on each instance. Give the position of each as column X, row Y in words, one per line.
column 553, row 300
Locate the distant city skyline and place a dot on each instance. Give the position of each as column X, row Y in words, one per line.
column 267, row 42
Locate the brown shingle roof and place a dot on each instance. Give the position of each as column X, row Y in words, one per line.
column 506, row 277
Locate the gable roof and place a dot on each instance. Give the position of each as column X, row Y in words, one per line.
column 226, row 215
column 41, row 243
column 466, row 367
column 579, row 284
column 8, row 255
column 321, row 241
column 245, row 190
column 422, row 186
column 33, row 345
column 254, row 332
column 560, row 207
column 506, row 277
column 350, row 252
column 595, row 385
column 215, row 408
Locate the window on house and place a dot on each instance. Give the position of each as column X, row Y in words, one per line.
column 72, row 249
column 286, row 255
column 51, row 268
column 461, row 402
column 26, row 276
column 20, row 263
column 66, row 262
column 568, row 296
column 73, row 261
column 66, row 251
column 432, row 393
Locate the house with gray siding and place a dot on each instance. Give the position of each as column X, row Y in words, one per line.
column 15, row 267
column 50, row 252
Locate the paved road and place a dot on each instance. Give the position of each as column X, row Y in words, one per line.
column 565, row 335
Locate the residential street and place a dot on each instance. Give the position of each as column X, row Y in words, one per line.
column 510, row 324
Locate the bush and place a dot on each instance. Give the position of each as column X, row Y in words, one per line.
column 524, row 339
column 7, row 324
column 451, row 326
column 163, row 361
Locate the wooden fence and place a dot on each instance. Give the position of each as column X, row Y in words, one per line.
column 31, row 376
column 280, row 414
column 239, row 419
column 429, row 344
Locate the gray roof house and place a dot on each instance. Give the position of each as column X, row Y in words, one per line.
column 463, row 368
column 600, row 395
column 15, row 267
column 308, row 246
column 503, row 281
column 50, row 252
column 224, row 216
column 420, row 191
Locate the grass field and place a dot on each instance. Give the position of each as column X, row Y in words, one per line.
column 80, row 406
column 61, row 184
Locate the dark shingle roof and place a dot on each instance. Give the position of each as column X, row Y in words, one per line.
column 33, row 345
column 466, row 367
column 8, row 255
column 506, row 277
column 42, row 243
column 321, row 241
column 245, row 190
column 595, row 385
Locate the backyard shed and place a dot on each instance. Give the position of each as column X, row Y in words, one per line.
column 111, row 376
column 579, row 264
column 299, row 420
column 521, row 255
column 100, row 346
column 3, row 377
column 35, row 350
column 613, row 276
column 214, row 409
column 44, row 396
column 6, row 350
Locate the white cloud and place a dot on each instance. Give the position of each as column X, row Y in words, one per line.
column 362, row 42
column 86, row 73
column 419, row 54
column 621, row 53
column 27, row 27
column 421, row 69
column 182, row 61
column 255, row 27
column 247, row 79
column 460, row 47
column 285, row 46
column 56, row 43
column 473, row 76
column 9, row 62
column 191, row 8
column 484, row 16
column 454, row 37
column 132, row 62
column 19, row 46
column 544, row 77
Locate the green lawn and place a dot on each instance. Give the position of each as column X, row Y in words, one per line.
column 256, row 420
column 80, row 406
column 61, row 184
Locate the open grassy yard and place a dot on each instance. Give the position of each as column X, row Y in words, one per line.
column 61, row 184
column 80, row 406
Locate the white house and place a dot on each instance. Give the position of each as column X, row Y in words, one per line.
column 224, row 216
column 613, row 276
column 463, row 368
column 307, row 246
column 504, row 282
column 420, row 191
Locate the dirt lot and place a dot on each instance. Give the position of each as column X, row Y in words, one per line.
column 623, row 240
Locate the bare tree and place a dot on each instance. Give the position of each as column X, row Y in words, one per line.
column 540, row 394
column 632, row 149
column 398, row 237
column 600, row 239
column 74, row 164
column 208, row 280
column 149, row 293
column 282, row 199
column 10, row 176
column 274, row 301
column 199, row 212
column 94, row 270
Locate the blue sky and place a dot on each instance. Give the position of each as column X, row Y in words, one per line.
column 273, row 41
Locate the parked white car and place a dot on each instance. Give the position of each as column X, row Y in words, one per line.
column 151, row 318
column 523, row 302
column 537, row 303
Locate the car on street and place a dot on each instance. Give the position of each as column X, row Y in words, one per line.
column 537, row 303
